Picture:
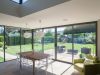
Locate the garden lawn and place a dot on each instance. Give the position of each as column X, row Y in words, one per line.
column 1, row 59
column 37, row 47
column 16, row 49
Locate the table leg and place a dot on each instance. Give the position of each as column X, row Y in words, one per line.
column 33, row 67
column 46, row 65
column 20, row 63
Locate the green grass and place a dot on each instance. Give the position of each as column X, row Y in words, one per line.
column 16, row 49
column 1, row 59
column 28, row 47
column 78, row 46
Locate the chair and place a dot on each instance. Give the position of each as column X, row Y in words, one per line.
column 60, row 49
column 86, row 50
column 43, row 63
column 87, row 69
column 71, row 51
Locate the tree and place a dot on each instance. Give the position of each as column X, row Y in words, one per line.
column 48, row 33
column 48, row 37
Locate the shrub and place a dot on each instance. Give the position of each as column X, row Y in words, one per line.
column 49, row 39
column 1, row 38
column 1, row 44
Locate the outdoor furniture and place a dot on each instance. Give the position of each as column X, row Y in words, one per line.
column 60, row 49
column 85, row 50
column 72, row 51
column 33, row 56
column 24, row 61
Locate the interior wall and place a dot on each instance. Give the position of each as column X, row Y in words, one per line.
column 98, row 39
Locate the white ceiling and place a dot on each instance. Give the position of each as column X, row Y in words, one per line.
column 75, row 11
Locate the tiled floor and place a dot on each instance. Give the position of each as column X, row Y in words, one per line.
column 71, row 71
column 56, row 68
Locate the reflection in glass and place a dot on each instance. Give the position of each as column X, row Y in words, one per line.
column 26, row 41
column 38, row 41
column 64, row 43
column 49, row 41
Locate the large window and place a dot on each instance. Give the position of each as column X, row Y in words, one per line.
column 49, row 41
column 26, row 40
column 12, row 42
column 84, row 40
column 38, row 40
column 76, row 41
column 63, row 43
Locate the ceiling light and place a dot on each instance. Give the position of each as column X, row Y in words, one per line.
column 27, row 35
column 65, row 19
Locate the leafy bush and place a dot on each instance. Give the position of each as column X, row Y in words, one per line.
column 49, row 39
column 1, row 44
column 1, row 38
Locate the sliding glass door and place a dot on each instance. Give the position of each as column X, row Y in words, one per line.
column 84, row 40
column 38, row 40
column 64, row 43
column 76, row 41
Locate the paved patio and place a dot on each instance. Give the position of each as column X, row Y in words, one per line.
column 64, row 56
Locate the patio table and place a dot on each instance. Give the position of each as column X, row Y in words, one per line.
column 33, row 56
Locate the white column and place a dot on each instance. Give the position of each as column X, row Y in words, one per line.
column 98, row 40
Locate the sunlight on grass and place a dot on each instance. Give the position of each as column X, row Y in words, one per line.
column 28, row 47
column 1, row 59
column 16, row 49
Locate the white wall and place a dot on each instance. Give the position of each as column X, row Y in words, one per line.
column 98, row 40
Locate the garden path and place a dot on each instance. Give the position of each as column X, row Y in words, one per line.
column 8, row 56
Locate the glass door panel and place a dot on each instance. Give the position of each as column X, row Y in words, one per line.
column 1, row 44
column 38, row 40
column 84, row 40
column 64, row 43
column 49, row 41
column 26, row 40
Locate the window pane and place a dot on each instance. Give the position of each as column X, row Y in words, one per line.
column 49, row 42
column 38, row 40
column 85, row 39
column 64, row 43
column 26, row 40
column 1, row 43
column 12, row 42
